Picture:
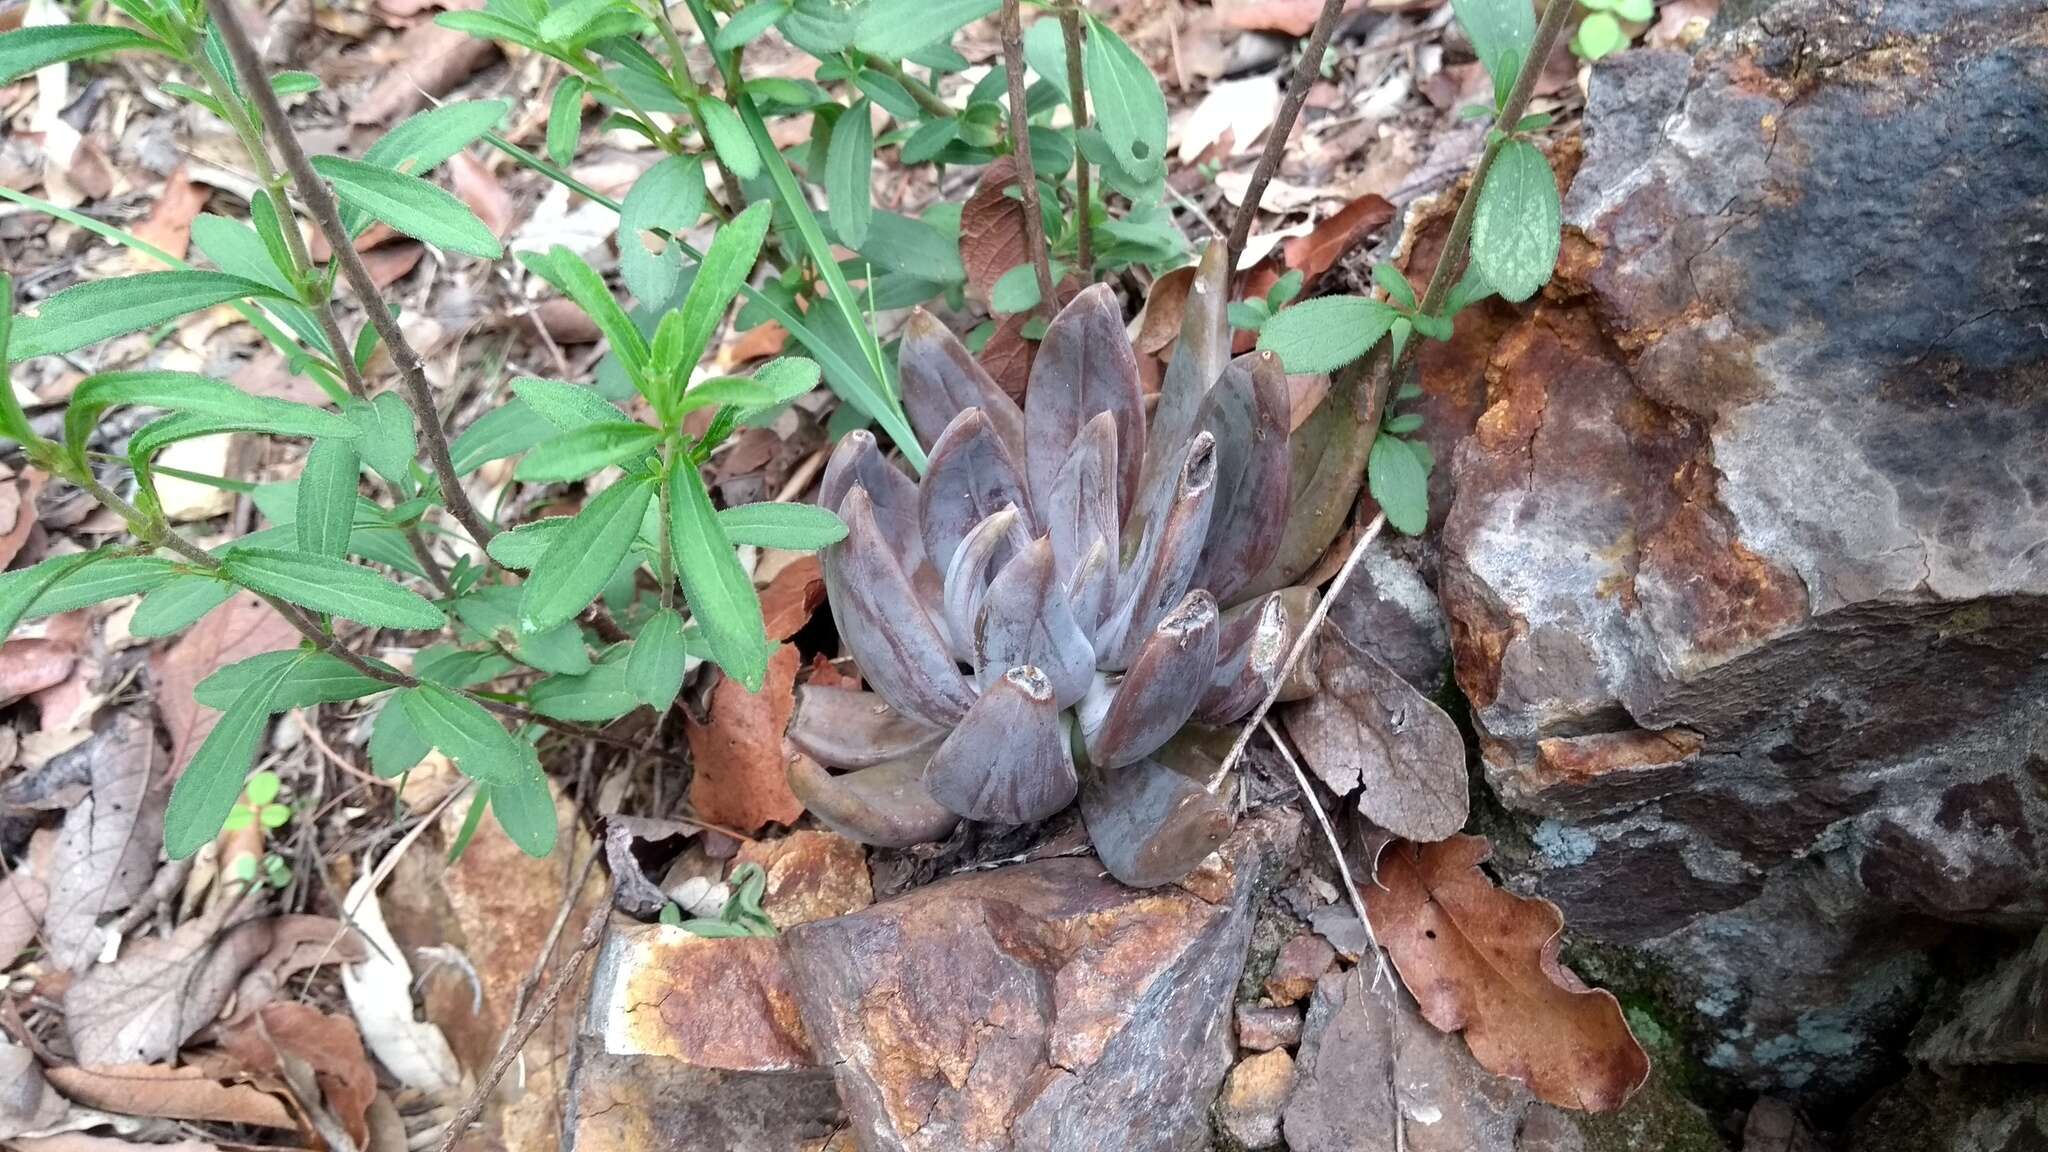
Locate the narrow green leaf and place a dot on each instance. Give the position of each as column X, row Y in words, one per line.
column 315, row 678
column 849, row 170
column 727, row 391
column 21, row 588
column 797, row 527
column 335, row 587
column 729, row 138
column 525, row 809
column 566, row 406
column 24, row 50
column 1324, row 334
column 1499, row 30
column 654, row 669
column 178, row 605
column 1014, row 291
column 239, row 250
column 565, row 119
column 894, row 29
column 718, row 591
column 506, row 430
column 421, row 210
column 425, row 140
column 578, row 281
column 583, row 556
column 327, row 498
column 396, row 747
column 561, row 25
column 480, row 747
column 787, row 377
column 386, row 437
column 1129, row 108
column 13, row 421
column 522, row 547
column 1395, row 285
column 1399, row 484
column 930, row 139
column 211, row 783
column 188, row 392
column 574, row 455
column 597, row 696
column 101, row 309
column 105, row 579
column 665, row 201
column 1519, row 223
column 748, row 23
column 725, row 267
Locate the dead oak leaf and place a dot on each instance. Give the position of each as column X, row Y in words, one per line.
column 1318, row 252
column 186, row 1093
column 993, row 239
column 330, row 1045
column 143, row 1007
column 1369, row 729
column 740, row 782
column 243, row 627
column 1484, row 962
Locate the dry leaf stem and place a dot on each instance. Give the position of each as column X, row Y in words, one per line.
column 1020, row 144
column 1077, row 100
column 326, row 212
column 1306, row 70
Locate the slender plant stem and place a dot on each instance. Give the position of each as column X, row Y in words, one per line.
column 1077, row 101
column 320, row 201
column 1020, row 145
column 1450, row 263
column 1306, row 70
column 918, row 89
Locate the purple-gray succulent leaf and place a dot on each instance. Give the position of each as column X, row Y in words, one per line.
column 968, row 575
column 1150, row 824
column 969, row 477
column 1159, row 692
column 886, row 805
column 1081, row 508
column 858, row 460
column 1198, row 359
column 1092, row 587
column 1026, row 620
column 1164, row 567
column 1251, row 647
column 1008, row 762
column 848, row 728
column 1084, row 366
column 940, row 377
column 882, row 619
column 1247, row 412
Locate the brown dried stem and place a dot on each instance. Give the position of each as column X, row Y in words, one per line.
column 1306, row 70
column 1077, row 100
column 1020, row 143
column 326, row 212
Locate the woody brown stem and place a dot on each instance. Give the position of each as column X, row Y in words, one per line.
column 1077, row 101
column 1306, row 70
column 1020, row 145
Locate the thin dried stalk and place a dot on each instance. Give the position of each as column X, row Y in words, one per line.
column 1077, row 100
column 1306, row 70
column 1020, row 143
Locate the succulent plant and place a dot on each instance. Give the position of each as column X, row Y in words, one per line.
column 1043, row 613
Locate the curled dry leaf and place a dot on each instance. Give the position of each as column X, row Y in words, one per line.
column 186, row 1093
column 1287, row 17
column 26, row 1102
column 1369, row 729
column 1484, row 962
column 330, row 1045
column 18, row 513
column 30, row 665
column 1316, row 253
column 992, row 235
column 1165, row 305
column 740, row 782
column 24, row 896
column 1008, row 355
column 789, row 600
column 106, row 852
column 379, row 992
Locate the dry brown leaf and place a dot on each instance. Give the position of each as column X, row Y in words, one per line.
column 477, row 187
column 23, row 899
column 330, row 1045
column 992, row 236
column 169, row 223
column 1287, row 17
column 1369, row 728
column 187, row 1093
column 106, row 852
column 566, row 322
column 296, row 944
column 427, row 60
column 789, row 599
column 1484, row 961
column 18, row 511
column 379, row 991
column 30, row 665
column 389, row 262
column 243, row 627
column 141, row 1008
column 87, row 1142
column 740, row 782
column 757, row 343
column 1165, row 306
column 1316, row 253
column 1008, row 355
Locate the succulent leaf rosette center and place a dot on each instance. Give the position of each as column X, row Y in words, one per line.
column 1042, row 614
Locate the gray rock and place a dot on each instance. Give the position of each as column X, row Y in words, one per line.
column 1744, row 566
column 2000, row 1019
column 1389, row 610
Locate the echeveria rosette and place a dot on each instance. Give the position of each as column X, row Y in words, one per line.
column 1042, row 615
